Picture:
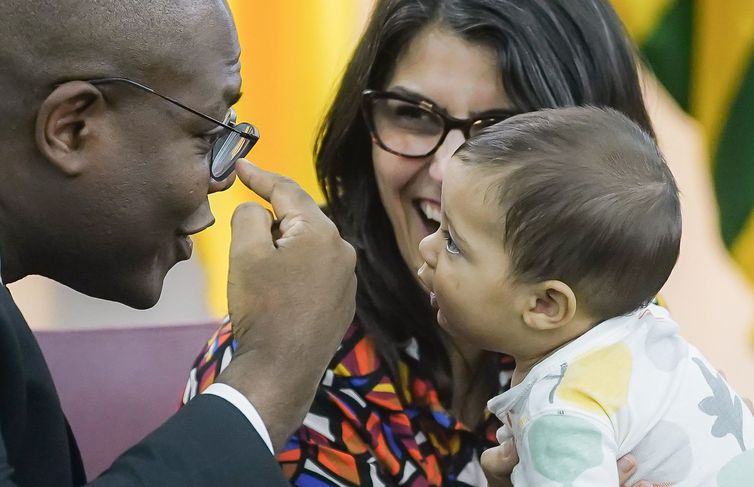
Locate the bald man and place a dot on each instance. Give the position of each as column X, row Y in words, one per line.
column 114, row 127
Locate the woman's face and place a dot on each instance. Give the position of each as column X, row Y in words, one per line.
column 465, row 80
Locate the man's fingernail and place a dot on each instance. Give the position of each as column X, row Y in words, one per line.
column 625, row 465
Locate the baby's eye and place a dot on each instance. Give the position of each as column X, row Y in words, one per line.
column 450, row 245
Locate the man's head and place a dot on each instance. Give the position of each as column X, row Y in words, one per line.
column 586, row 199
column 101, row 184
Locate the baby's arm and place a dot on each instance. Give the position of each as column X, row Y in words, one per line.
column 566, row 448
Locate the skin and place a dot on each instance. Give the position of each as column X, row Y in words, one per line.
column 466, row 269
column 277, row 316
column 98, row 176
column 468, row 274
column 434, row 65
column 100, row 186
column 477, row 296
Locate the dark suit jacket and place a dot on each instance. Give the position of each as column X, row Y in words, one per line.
column 207, row 443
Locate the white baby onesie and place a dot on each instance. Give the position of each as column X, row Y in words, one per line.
column 629, row 385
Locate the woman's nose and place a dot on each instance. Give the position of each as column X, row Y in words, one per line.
column 440, row 158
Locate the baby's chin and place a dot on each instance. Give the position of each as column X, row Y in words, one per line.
column 443, row 322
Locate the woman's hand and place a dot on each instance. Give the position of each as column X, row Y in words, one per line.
column 498, row 463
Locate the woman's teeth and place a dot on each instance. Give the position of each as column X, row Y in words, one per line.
column 431, row 212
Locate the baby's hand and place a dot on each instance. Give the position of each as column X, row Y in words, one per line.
column 498, row 462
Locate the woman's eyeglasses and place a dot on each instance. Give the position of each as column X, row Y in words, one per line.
column 233, row 143
column 416, row 128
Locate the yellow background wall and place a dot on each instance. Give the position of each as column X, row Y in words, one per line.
column 293, row 52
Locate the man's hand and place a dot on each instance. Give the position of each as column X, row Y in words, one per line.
column 291, row 296
column 498, row 462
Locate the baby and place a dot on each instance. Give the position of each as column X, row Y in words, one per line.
column 558, row 229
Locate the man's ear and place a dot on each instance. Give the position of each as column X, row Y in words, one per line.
column 64, row 124
column 551, row 305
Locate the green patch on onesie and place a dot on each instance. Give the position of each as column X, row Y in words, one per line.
column 563, row 447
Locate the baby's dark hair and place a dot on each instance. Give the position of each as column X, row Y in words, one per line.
column 587, row 199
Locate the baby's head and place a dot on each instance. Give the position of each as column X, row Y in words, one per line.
column 552, row 222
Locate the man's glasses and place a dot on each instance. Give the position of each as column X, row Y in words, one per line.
column 235, row 141
column 416, row 128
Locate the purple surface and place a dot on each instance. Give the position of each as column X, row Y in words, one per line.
column 117, row 385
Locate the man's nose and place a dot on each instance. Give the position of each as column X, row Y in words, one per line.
column 215, row 186
column 440, row 158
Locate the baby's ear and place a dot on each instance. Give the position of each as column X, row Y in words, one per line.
column 551, row 305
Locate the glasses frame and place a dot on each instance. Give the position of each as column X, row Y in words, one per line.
column 230, row 125
column 449, row 123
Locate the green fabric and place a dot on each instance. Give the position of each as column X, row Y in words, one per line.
column 669, row 52
column 563, row 447
column 734, row 162
column 668, row 48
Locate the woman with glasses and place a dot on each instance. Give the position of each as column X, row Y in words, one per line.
column 403, row 403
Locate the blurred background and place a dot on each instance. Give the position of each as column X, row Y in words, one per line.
column 699, row 79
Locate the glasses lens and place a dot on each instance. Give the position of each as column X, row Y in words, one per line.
column 230, row 147
column 405, row 127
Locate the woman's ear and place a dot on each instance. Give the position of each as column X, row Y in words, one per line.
column 551, row 305
column 64, row 124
